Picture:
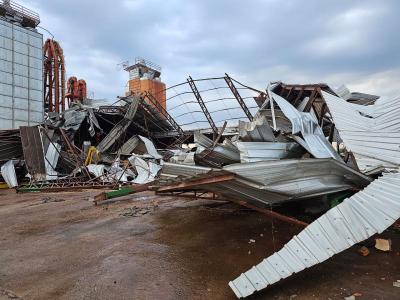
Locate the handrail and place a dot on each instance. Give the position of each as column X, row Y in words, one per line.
column 20, row 10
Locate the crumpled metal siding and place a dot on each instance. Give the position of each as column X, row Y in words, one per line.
column 174, row 170
column 259, row 151
column 120, row 128
column 256, row 131
column 274, row 182
column 357, row 218
column 221, row 154
column 371, row 133
column 300, row 176
column 313, row 139
column 8, row 174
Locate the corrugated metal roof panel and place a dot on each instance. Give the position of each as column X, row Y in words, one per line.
column 259, row 151
column 355, row 219
column 171, row 169
column 371, row 133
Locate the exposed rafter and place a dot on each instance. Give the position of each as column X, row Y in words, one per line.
column 163, row 112
column 239, row 98
column 202, row 105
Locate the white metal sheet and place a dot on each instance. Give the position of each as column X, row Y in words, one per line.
column 21, row 103
column 5, row 54
column 6, row 89
column 6, row 101
column 257, row 279
column 6, row 78
column 6, row 66
column 21, row 48
column 356, row 218
column 6, row 43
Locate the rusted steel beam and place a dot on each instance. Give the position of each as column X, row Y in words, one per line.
column 202, row 105
column 238, row 97
column 163, row 112
column 63, row 186
column 331, row 132
column 322, row 113
column 315, row 92
column 308, row 87
column 296, row 101
column 195, row 183
column 274, row 214
column 288, row 94
column 219, row 135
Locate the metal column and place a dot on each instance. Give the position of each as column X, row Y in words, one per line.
column 202, row 105
column 239, row 98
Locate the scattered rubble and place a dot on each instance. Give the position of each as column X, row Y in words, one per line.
column 363, row 251
column 301, row 142
column 262, row 149
column 136, row 211
column 52, row 199
column 383, row 244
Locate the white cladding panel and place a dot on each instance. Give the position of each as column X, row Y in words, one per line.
column 21, row 76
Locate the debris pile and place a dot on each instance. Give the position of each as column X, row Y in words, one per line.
column 79, row 149
column 288, row 143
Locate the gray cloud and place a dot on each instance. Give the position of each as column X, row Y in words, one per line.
column 353, row 42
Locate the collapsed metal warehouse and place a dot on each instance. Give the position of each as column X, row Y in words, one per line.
column 218, row 136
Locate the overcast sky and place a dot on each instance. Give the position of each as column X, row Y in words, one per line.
column 339, row 42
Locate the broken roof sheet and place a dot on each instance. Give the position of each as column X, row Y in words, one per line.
column 313, row 139
column 218, row 155
column 256, row 131
column 174, row 170
column 371, row 133
column 300, row 177
column 259, row 151
column 357, row 218
column 273, row 182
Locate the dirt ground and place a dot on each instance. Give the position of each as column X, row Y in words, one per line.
column 60, row 246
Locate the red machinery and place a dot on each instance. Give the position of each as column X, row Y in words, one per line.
column 54, row 80
column 76, row 89
column 54, row 76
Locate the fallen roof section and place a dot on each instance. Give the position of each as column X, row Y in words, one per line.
column 357, row 218
column 313, row 138
column 274, row 182
column 371, row 133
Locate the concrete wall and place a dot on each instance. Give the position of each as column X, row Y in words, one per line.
column 21, row 76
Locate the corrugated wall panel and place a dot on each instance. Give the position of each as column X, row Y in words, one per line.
column 5, row 66
column 5, row 54
column 6, row 43
column 21, row 76
column 5, row 101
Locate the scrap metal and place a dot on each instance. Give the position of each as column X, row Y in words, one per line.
column 238, row 97
column 32, row 146
column 371, row 133
column 119, row 128
column 202, row 105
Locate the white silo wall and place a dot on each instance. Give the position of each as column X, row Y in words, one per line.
column 21, row 76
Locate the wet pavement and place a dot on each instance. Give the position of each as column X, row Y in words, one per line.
column 60, row 246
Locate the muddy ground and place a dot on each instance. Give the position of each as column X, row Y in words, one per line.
column 60, row 246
